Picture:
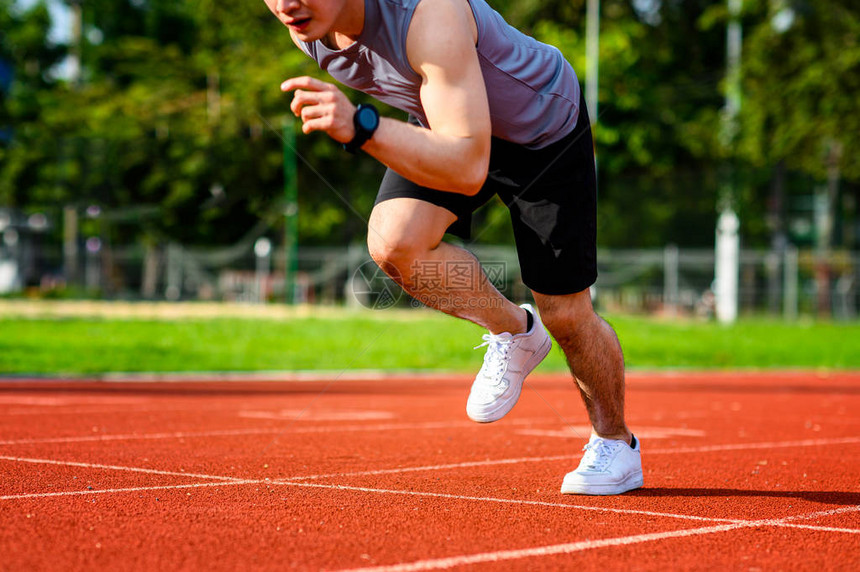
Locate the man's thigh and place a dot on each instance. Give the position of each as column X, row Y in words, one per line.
column 394, row 186
column 407, row 224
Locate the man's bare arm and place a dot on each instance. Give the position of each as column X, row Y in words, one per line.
column 453, row 155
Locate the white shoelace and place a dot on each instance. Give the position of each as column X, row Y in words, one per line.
column 495, row 361
column 598, row 454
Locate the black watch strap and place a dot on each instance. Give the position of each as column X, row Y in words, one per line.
column 365, row 120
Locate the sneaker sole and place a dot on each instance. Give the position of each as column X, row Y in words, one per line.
column 505, row 406
column 633, row 481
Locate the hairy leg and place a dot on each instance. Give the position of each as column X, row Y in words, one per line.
column 405, row 240
column 594, row 356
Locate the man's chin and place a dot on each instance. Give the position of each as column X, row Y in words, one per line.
column 305, row 31
column 307, row 37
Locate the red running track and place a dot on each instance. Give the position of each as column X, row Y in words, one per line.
column 743, row 471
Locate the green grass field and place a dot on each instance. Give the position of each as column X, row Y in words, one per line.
column 390, row 340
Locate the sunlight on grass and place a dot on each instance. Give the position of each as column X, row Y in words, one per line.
column 376, row 340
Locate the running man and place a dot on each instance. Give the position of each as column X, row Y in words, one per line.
column 492, row 112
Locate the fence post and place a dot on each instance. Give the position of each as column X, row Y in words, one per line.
column 173, row 290
column 771, row 263
column 70, row 245
column 92, row 267
column 149, row 274
column 671, row 263
column 790, row 278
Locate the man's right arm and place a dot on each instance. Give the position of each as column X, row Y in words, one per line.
column 453, row 154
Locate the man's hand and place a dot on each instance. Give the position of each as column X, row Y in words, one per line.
column 321, row 107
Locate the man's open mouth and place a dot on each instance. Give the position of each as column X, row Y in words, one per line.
column 299, row 23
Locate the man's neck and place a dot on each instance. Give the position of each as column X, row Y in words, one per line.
column 348, row 27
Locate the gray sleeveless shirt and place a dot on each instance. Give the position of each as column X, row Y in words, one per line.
column 533, row 91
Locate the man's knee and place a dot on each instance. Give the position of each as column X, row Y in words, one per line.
column 402, row 231
column 395, row 252
column 568, row 317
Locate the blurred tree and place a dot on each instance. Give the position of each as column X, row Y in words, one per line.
column 802, row 85
column 802, row 88
column 658, row 111
column 179, row 109
column 26, row 58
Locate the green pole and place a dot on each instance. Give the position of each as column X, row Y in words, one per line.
column 291, row 211
column 592, row 63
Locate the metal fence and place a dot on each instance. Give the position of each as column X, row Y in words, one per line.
column 672, row 281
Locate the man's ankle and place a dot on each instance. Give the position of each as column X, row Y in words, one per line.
column 530, row 321
column 626, row 437
column 520, row 323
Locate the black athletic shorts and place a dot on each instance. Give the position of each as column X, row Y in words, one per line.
column 552, row 197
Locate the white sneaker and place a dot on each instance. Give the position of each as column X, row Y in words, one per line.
column 609, row 467
column 509, row 359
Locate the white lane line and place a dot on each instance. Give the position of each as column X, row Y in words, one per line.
column 103, row 409
column 230, row 481
column 432, row 425
column 579, row 507
column 450, row 466
column 646, row 452
column 256, row 431
column 444, row 467
column 140, row 436
column 821, row 513
column 822, row 528
column 68, row 400
column 751, row 446
column 506, row 501
column 577, row 431
column 569, row 548
column 238, row 481
column 318, row 415
column 25, row 496
column 115, row 468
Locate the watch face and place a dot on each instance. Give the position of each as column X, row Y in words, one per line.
column 368, row 118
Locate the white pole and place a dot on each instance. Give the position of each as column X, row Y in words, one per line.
column 263, row 253
column 727, row 240
column 727, row 258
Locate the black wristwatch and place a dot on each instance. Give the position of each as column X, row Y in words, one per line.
column 365, row 120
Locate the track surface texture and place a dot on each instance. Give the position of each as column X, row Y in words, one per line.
column 743, row 471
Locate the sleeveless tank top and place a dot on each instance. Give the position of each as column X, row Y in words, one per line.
column 533, row 91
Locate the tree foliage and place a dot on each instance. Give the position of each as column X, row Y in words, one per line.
column 802, row 85
column 178, row 109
